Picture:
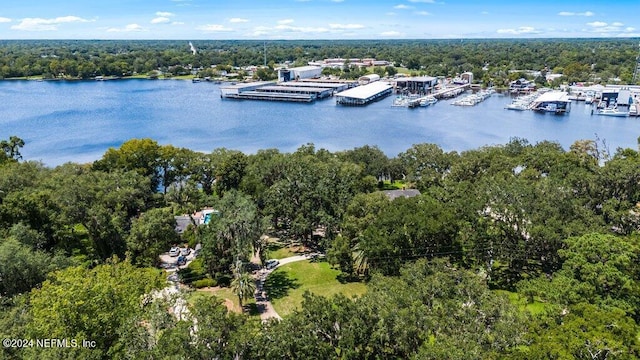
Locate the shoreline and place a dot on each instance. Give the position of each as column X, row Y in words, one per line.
column 116, row 78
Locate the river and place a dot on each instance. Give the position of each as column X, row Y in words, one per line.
column 78, row 121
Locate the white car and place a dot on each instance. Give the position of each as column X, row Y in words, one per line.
column 175, row 251
column 185, row 252
column 271, row 264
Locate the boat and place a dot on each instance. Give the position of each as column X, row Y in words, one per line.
column 633, row 110
column 520, row 106
column 400, row 101
column 427, row 101
column 612, row 112
column 196, row 80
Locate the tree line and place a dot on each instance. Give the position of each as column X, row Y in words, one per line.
column 522, row 251
column 492, row 61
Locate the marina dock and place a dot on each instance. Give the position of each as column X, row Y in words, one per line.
column 446, row 93
column 293, row 91
column 365, row 94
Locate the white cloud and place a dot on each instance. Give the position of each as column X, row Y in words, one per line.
column 160, row 20
column 40, row 24
column 238, row 20
column 629, row 35
column 423, row 13
column 128, row 28
column 391, row 14
column 597, row 24
column 571, row 13
column 403, row 7
column 4, row 20
column 346, row 26
column 164, row 14
column 213, row 28
column 519, row 31
column 391, row 33
column 615, row 28
column 177, row 23
column 285, row 21
column 337, row 1
column 484, row 13
column 301, row 29
column 423, row 1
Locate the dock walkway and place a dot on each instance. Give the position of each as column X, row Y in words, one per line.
column 441, row 94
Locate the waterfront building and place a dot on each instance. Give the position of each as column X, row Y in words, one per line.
column 364, row 80
column 521, row 85
column 297, row 73
column 365, row 94
column 421, row 85
column 552, row 101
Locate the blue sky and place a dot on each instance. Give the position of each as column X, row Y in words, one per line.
column 316, row 19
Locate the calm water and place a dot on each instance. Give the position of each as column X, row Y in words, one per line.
column 79, row 121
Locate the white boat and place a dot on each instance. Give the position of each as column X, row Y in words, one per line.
column 520, row 106
column 612, row 112
column 427, row 101
column 633, row 110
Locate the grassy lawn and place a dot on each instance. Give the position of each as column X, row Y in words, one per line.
column 229, row 299
column 286, row 285
column 279, row 250
column 396, row 185
column 534, row 308
column 275, row 251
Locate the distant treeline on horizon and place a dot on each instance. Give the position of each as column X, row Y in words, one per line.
column 578, row 59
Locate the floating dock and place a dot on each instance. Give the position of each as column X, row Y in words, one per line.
column 365, row 94
column 450, row 92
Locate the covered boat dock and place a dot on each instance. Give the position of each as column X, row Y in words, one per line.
column 553, row 101
column 316, row 93
column 365, row 94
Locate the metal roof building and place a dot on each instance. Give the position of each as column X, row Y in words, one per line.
column 362, row 95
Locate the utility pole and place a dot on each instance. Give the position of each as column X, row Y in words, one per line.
column 636, row 73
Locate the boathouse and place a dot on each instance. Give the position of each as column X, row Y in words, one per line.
column 229, row 91
column 553, row 101
column 421, row 85
column 363, row 95
column 335, row 87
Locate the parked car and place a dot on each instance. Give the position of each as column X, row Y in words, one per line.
column 182, row 260
column 185, row 251
column 175, row 251
column 271, row 264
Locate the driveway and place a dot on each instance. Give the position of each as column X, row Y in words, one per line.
column 262, row 298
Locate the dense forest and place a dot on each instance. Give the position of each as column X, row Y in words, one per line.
column 491, row 61
column 559, row 228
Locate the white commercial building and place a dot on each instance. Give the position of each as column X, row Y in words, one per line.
column 297, row 73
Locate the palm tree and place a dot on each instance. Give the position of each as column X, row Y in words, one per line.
column 244, row 286
column 360, row 261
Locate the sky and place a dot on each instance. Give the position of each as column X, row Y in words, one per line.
column 316, row 19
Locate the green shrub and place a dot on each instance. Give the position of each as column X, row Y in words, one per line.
column 206, row 282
